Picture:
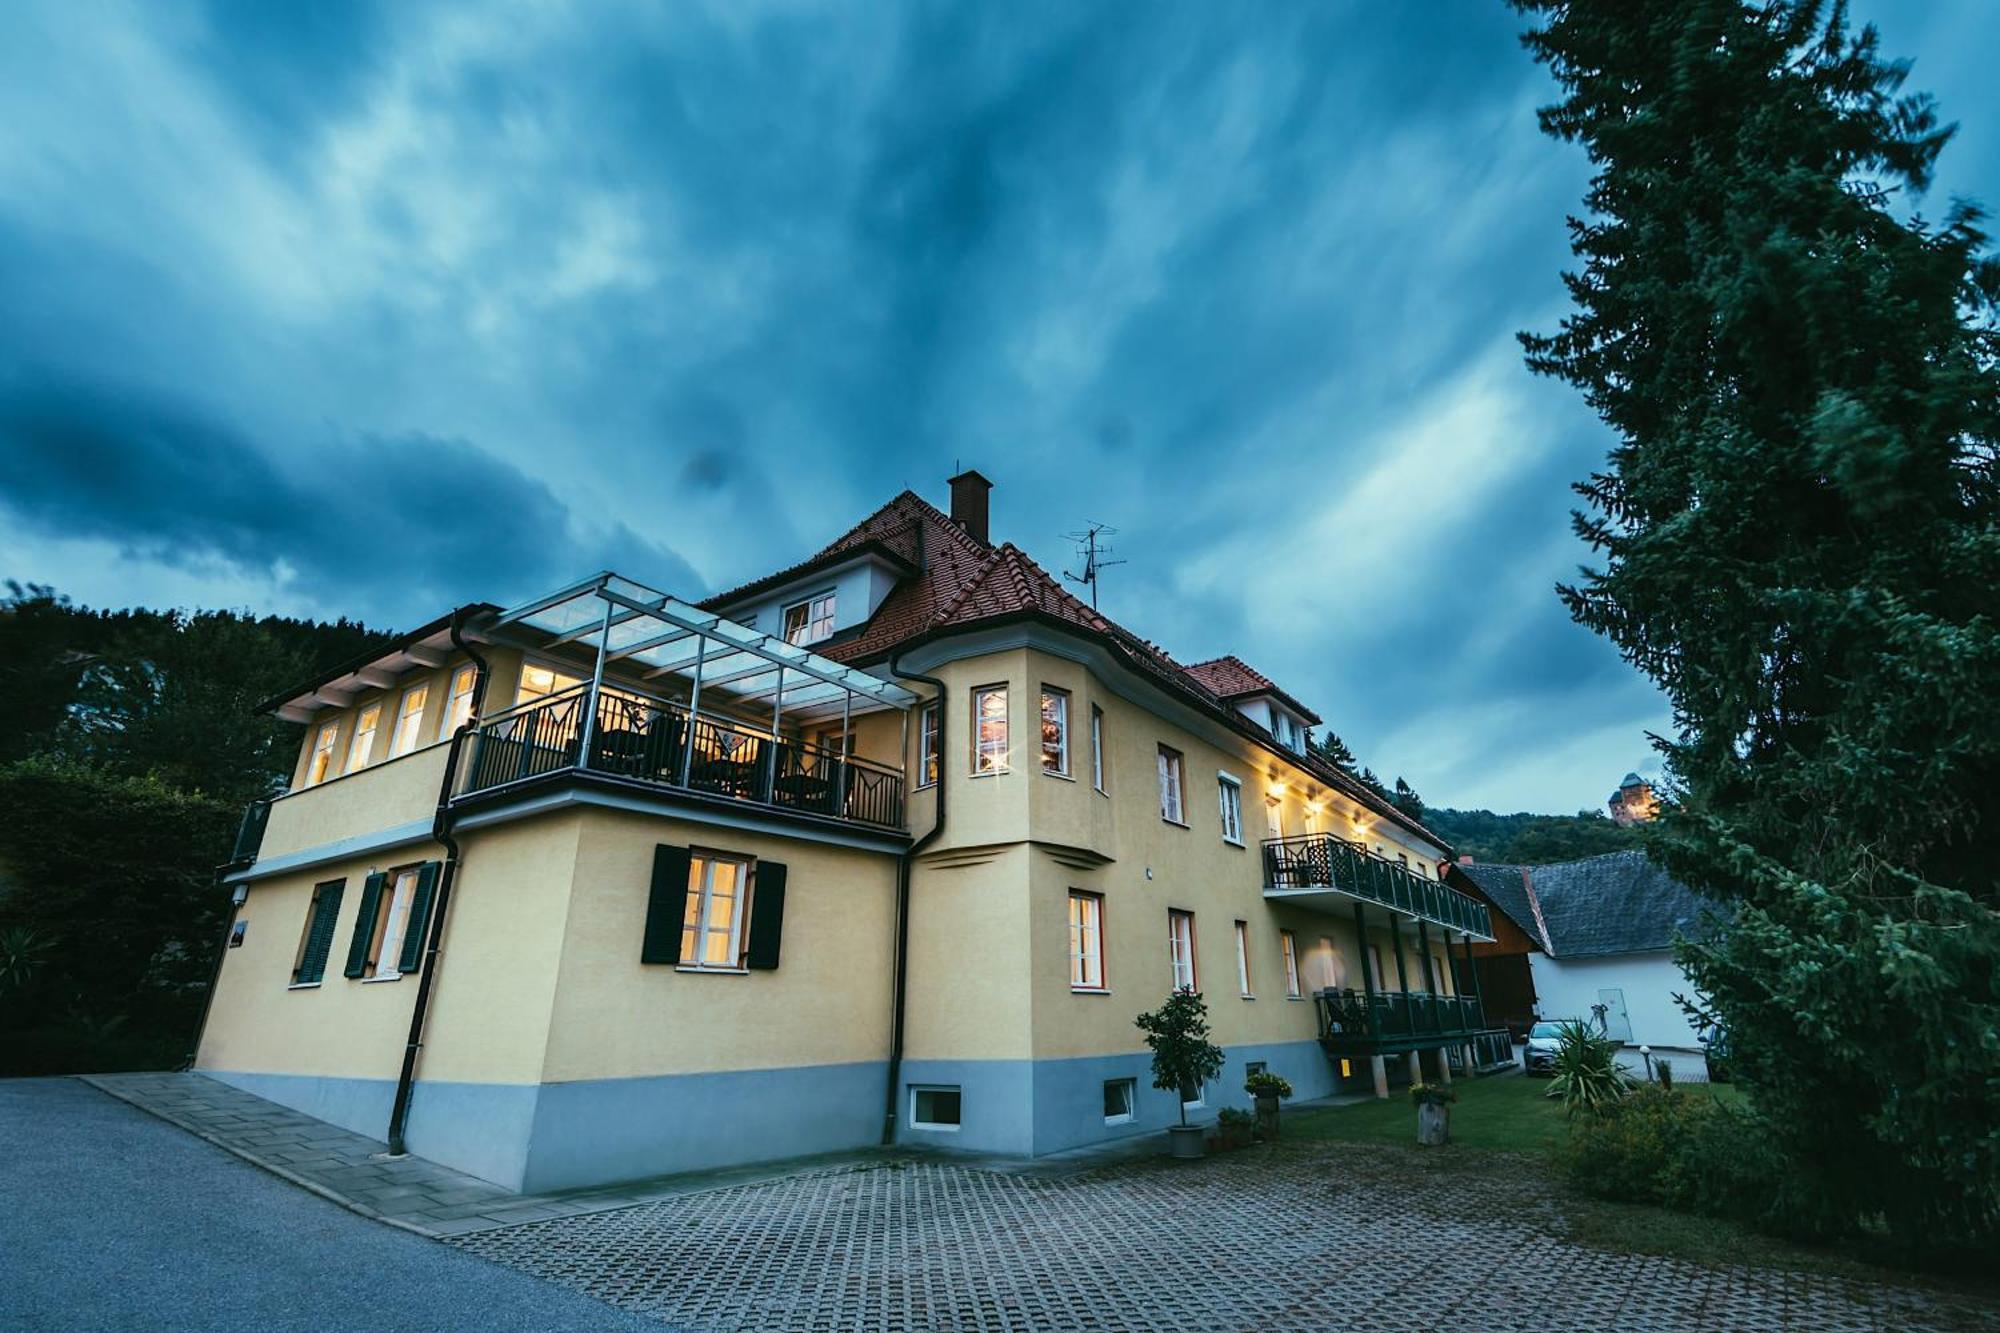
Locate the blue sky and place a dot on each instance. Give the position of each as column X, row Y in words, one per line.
column 337, row 309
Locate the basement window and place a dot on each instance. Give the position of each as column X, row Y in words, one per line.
column 934, row 1108
column 1120, row 1094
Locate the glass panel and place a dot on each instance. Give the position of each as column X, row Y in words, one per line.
column 1055, row 731
column 409, row 714
column 723, row 894
column 362, row 748
column 989, row 708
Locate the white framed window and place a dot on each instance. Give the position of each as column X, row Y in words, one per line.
column 1252, row 1068
column 458, row 704
column 1055, row 731
column 320, row 767
column 1403, row 860
column 1191, row 1091
column 362, row 747
column 935, row 1108
column 409, row 717
column 927, row 746
column 1274, row 816
column 1097, row 747
column 1180, row 947
column 1229, row 791
column 1121, row 1096
column 1243, row 959
column 1288, row 943
column 1086, row 940
column 809, row 621
column 392, row 923
column 538, row 682
column 989, row 730
column 1171, row 767
column 712, row 924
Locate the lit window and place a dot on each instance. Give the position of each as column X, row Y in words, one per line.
column 1170, row 785
column 1055, row 731
column 1290, row 944
column 809, row 621
column 386, row 957
column 1086, row 940
column 362, row 748
column 927, row 746
column 1097, row 747
column 320, row 767
column 1230, row 791
column 1180, row 947
column 538, row 682
column 458, row 708
column 1243, row 958
column 712, row 925
column 409, row 716
column 935, row 1108
column 989, row 730
column 1120, row 1095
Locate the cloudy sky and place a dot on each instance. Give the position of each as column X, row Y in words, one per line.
column 330, row 310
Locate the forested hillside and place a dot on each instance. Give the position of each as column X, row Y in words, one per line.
column 1529, row 839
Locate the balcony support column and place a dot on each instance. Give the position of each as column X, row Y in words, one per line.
column 694, row 707
column 1444, row 1064
column 770, row 776
column 1472, row 970
column 1380, row 1069
column 847, row 748
column 1430, row 977
column 589, row 735
column 1416, row 1067
column 1367, row 973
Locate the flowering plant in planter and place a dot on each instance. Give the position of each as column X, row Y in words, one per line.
column 1265, row 1084
column 1433, row 1112
column 1432, row 1094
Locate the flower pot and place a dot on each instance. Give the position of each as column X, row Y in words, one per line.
column 1433, row 1125
column 1187, row 1140
column 1267, row 1116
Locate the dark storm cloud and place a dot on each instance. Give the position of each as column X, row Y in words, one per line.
column 686, row 289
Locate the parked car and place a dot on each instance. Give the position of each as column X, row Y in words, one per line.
column 1715, row 1042
column 1543, row 1039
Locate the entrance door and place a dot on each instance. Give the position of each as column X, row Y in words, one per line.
column 1617, row 1023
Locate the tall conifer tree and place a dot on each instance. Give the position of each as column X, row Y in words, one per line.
column 1797, row 528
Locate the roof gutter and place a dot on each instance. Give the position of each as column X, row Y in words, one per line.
column 399, row 1112
column 904, row 863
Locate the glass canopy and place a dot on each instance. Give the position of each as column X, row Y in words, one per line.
column 643, row 632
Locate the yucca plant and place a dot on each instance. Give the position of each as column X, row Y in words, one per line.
column 1587, row 1076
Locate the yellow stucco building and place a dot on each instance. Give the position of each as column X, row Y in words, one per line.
column 891, row 845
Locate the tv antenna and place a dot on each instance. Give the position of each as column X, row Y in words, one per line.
column 1093, row 552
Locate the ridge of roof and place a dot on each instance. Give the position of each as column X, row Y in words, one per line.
column 1230, row 677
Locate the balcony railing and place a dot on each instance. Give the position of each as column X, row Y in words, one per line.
column 250, row 834
column 1392, row 1014
column 1322, row 861
column 655, row 741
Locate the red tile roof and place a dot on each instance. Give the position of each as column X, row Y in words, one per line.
column 1233, row 678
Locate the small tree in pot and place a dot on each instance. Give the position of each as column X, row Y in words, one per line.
column 1183, row 1058
column 1433, row 1112
column 1267, row 1088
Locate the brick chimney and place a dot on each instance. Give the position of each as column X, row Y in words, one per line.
column 968, row 504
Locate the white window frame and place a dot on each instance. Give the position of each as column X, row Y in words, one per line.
column 1173, row 786
column 407, row 733
column 815, row 620
column 1086, row 942
column 319, row 764
column 389, row 946
column 1288, row 943
column 1130, row 1087
column 1060, row 698
column 559, row 680
column 980, row 748
column 927, row 746
column 1243, row 960
column 458, row 701
column 1097, row 747
column 701, row 894
column 361, row 745
column 937, row 1126
column 1229, row 795
column 1200, row 1090
column 1185, row 975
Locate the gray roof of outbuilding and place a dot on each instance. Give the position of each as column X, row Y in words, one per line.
column 1613, row 904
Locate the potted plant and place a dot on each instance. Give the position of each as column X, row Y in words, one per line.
column 1183, row 1058
column 1433, row 1112
column 1267, row 1088
column 1234, row 1128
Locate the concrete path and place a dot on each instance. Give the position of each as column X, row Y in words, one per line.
column 112, row 1219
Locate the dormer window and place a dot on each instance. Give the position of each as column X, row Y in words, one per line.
column 809, row 621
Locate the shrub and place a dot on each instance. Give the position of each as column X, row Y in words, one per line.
column 1433, row 1094
column 1235, row 1127
column 1587, row 1076
column 1663, row 1069
column 1266, row 1084
column 1183, row 1056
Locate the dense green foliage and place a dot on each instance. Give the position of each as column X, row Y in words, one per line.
column 1797, row 527
column 1587, row 1077
column 129, row 745
column 1183, row 1056
column 1529, row 840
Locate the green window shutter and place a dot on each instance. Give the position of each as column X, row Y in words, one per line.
column 319, row 936
column 767, row 916
column 364, row 924
column 420, row 918
column 666, row 905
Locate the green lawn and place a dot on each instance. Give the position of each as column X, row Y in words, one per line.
column 1506, row 1113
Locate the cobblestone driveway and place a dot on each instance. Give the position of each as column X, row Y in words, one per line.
column 1310, row 1237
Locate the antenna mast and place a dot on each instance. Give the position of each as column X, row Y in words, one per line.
column 1093, row 552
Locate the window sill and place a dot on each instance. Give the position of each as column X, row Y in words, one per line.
column 1295, row 997
column 712, row 971
column 393, row 976
column 934, row 1129
column 923, row 786
column 1051, row 773
column 991, row 773
column 1245, row 995
column 1175, row 822
column 1237, row 843
column 304, row 985
column 1090, row 990
column 1101, row 792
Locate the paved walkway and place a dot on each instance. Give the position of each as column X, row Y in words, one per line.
column 113, row 1220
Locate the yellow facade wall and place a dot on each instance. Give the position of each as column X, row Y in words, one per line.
column 400, row 791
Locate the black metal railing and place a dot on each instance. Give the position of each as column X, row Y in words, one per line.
column 1320, row 860
column 1397, row 1014
column 650, row 740
column 250, row 833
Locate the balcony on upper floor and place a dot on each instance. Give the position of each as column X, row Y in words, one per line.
column 1322, row 871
